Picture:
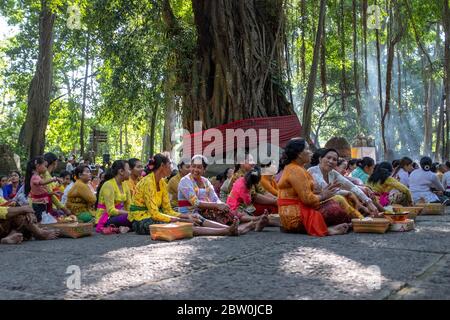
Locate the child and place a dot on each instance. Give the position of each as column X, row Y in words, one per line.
column 240, row 199
column 66, row 180
column 35, row 186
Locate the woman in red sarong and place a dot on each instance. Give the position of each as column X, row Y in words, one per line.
column 301, row 210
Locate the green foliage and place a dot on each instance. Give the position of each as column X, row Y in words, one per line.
column 132, row 60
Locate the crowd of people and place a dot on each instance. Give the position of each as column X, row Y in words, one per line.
column 314, row 193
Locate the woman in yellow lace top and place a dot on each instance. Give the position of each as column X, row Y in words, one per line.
column 151, row 204
column 114, row 197
column 388, row 189
column 136, row 168
column 80, row 199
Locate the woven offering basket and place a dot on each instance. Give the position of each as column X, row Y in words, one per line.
column 376, row 225
column 73, row 230
column 431, row 208
column 171, row 231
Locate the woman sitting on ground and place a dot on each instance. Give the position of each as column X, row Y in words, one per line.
column 262, row 200
column 299, row 207
column 136, row 168
column 424, row 184
column 196, row 195
column 3, row 183
column 114, row 197
column 19, row 223
column 342, row 167
column 80, row 199
column 351, row 166
column 10, row 190
column 184, row 167
column 240, row 200
column 351, row 198
column 268, row 172
column 217, row 182
column 388, row 189
column 224, row 189
column 364, row 168
column 446, row 179
column 403, row 171
column 151, row 204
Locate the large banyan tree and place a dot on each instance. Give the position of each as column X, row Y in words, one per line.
column 238, row 66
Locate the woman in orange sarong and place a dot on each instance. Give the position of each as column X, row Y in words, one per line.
column 298, row 206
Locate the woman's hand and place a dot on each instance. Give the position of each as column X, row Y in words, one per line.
column 222, row 207
column 368, row 192
column 329, row 191
column 174, row 219
column 372, row 208
column 196, row 218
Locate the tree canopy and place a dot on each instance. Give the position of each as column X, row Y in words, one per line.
column 134, row 69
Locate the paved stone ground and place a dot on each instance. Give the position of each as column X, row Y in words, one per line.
column 266, row 265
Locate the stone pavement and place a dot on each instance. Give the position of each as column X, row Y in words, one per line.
column 266, row 265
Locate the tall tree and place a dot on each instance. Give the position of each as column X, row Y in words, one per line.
column 309, row 97
column 341, row 31
column 237, row 69
column 32, row 134
column 446, row 24
column 83, row 105
column 355, row 64
column 394, row 34
column 364, row 27
column 303, row 45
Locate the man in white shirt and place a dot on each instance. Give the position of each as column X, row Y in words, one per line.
column 69, row 166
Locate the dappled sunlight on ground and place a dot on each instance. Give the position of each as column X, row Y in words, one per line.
column 150, row 263
column 334, row 270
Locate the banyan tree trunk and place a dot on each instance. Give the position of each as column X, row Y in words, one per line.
column 238, row 69
column 32, row 133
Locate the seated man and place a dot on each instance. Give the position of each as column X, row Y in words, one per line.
column 19, row 223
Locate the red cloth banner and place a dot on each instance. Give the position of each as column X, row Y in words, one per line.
column 288, row 127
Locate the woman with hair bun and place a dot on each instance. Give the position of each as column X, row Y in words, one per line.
column 424, row 184
column 364, row 168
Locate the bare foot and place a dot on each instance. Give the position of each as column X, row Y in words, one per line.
column 338, row 229
column 124, row 229
column 234, row 228
column 15, row 238
column 262, row 223
column 47, row 234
